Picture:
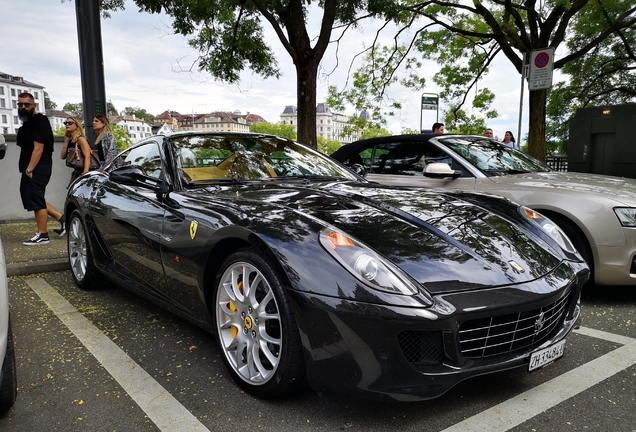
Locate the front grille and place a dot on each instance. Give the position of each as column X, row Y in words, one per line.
column 508, row 333
column 421, row 347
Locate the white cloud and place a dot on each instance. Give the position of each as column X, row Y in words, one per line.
column 144, row 67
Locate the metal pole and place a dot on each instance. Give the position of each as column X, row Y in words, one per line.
column 89, row 34
column 523, row 76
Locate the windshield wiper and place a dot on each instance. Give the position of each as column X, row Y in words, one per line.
column 217, row 181
column 310, row 177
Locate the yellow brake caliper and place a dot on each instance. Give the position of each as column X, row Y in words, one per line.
column 233, row 309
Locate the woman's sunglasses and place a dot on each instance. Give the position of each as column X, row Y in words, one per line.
column 69, row 123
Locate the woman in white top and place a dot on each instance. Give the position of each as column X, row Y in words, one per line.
column 509, row 140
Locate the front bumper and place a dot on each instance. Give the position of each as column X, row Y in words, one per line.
column 616, row 265
column 408, row 354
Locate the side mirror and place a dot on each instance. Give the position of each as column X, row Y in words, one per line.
column 359, row 169
column 440, row 170
column 134, row 175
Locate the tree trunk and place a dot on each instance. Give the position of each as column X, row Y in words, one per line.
column 306, row 78
column 536, row 126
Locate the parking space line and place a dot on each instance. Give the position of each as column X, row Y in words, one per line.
column 529, row 404
column 163, row 409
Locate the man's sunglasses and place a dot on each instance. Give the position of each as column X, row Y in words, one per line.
column 24, row 104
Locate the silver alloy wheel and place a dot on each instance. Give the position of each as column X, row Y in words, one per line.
column 77, row 248
column 249, row 323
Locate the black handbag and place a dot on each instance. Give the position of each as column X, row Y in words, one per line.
column 75, row 159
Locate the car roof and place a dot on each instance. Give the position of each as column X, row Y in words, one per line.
column 348, row 149
column 355, row 146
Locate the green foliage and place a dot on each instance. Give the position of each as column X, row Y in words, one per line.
column 409, row 131
column 374, row 132
column 328, row 146
column 139, row 113
column 110, row 109
column 48, row 103
column 73, row 108
column 229, row 36
column 603, row 77
column 122, row 138
column 279, row 129
column 463, row 38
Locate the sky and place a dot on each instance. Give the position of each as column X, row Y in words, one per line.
column 147, row 66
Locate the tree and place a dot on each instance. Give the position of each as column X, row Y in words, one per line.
column 229, row 36
column 110, row 109
column 139, row 113
column 465, row 37
column 326, row 145
column 73, row 108
column 604, row 77
column 122, row 138
column 48, row 103
column 279, row 129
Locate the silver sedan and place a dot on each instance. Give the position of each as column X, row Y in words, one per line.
column 597, row 212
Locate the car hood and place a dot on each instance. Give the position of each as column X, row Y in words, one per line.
column 619, row 189
column 445, row 243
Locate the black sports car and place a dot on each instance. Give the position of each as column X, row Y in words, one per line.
column 305, row 272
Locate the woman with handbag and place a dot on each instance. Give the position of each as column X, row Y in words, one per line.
column 76, row 149
column 105, row 143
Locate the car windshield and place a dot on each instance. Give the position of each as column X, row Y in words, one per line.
column 212, row 158
column 493, row 158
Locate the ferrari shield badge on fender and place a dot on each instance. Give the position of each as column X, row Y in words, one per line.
column 193, row 229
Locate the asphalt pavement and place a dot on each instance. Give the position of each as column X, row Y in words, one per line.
column 22, row 260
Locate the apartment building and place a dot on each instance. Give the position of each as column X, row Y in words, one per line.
column 136, row 129
column 10, row 87
column 329, row 124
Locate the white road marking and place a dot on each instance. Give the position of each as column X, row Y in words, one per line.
column 529, row 404
column 163, row 409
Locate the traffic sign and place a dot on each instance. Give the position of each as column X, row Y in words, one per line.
column 430, row 102
column 541, row 67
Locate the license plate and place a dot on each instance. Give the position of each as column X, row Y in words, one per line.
column 546, row 356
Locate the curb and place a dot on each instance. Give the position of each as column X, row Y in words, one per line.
column 42, row 266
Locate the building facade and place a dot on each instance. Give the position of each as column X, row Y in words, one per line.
column 329, row 124
column 57, row 118
column 222, row 122
column 136, row 129
column 10, row 87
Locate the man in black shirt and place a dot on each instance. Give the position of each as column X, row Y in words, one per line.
column 35, row 139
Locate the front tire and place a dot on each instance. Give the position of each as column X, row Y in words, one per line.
column 79, row 255
column 256, row 328
column 578, row 239
column 9, row 383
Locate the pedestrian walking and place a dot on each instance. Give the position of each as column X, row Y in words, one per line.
column 35, row 139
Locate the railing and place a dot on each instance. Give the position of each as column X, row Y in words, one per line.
column 557, row 163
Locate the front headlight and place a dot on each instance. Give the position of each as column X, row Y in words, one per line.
column 366, row 265
column 627, row 216
column 549, row 228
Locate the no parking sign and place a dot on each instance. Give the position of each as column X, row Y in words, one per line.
column 541, row 67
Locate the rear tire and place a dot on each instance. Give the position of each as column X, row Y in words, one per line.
column 256, row 328
column 79, row 254
column 9, row 384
